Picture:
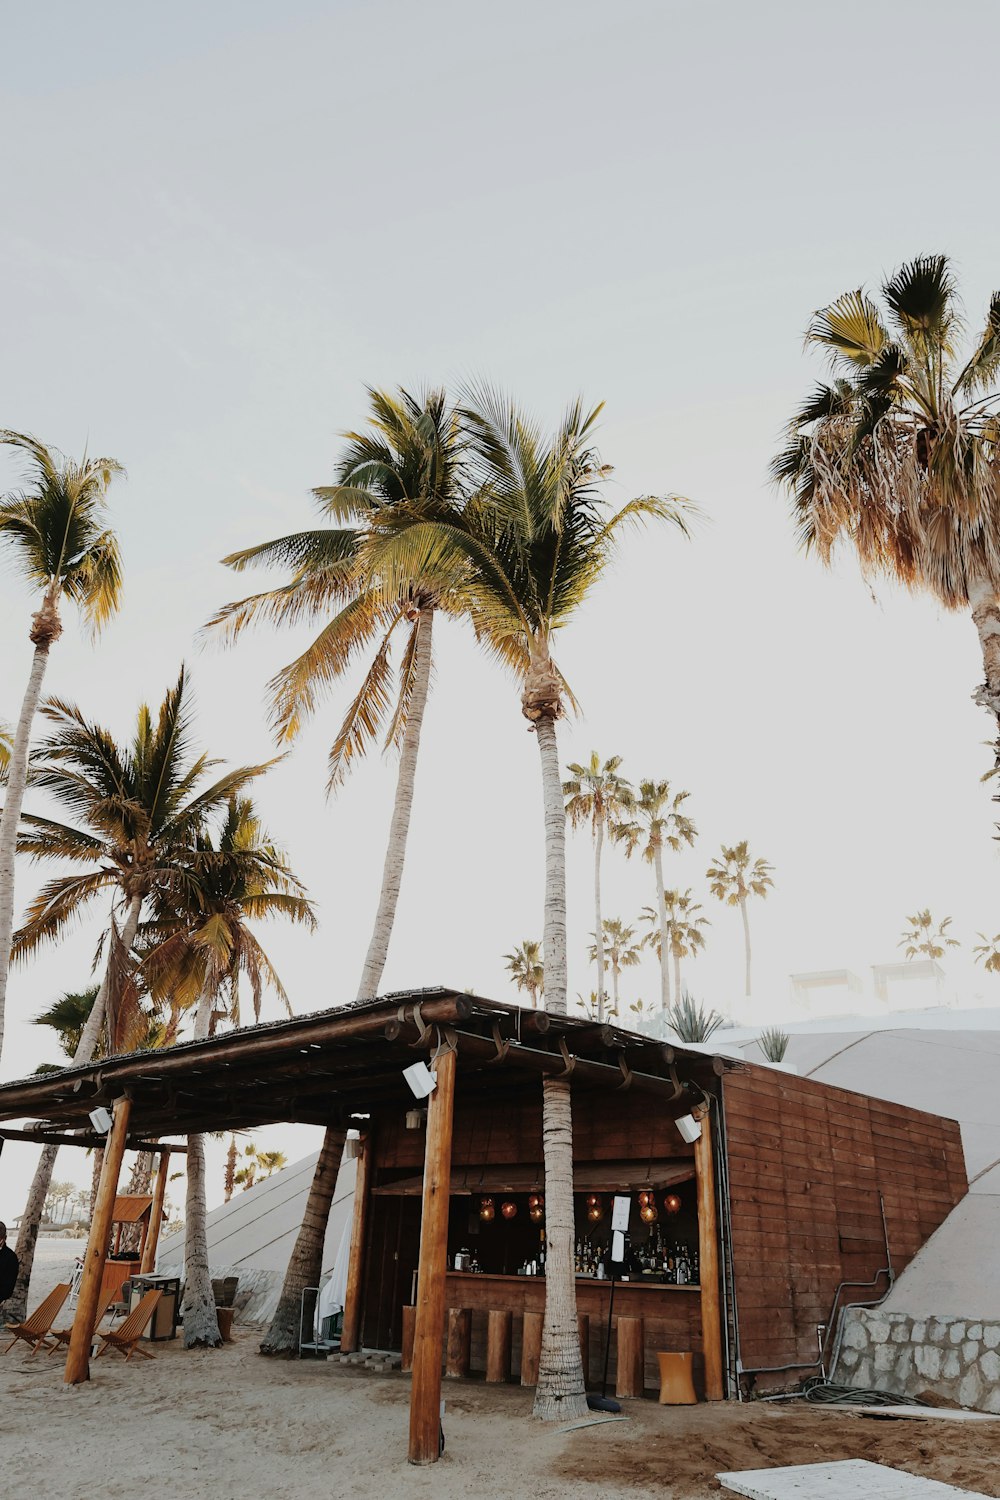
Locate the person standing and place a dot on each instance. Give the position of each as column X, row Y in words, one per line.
column 9, row 1265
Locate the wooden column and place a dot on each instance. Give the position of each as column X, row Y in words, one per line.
column 630, row 1378
column 459, row 1357
column 148, row 1263
column 409, row 1322
column 708, row 1255
column 428, row 1339
column 350, row 1333
column 531, row 1347
column 78, row 1358
column 499, row 1334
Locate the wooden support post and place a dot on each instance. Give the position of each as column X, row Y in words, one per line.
column 458, row 1359
column 631, row 1375
column 531, row 1347
column 583, row 1325
column 428, row 1339
column 409, row 1324
column 148, row 1263
column 499, row 1330
column 350, row 1334
column 708, row 1255
column 87, row 1305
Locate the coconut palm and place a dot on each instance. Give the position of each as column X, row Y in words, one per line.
column 57, row 530
column 527, row 548
column 623, row 952
column 988, row 953
column 898, row 457
column 528, row 969
column 597, row 795
column 230, row 1175
column 734, row 876
column 6, row 749
column 139, row 809
column 925, row 938
column 206, row 948
column 68, row 1016
column 685, row 929
column 659, row 820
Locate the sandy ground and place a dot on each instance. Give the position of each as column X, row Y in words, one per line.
column 227, row 1424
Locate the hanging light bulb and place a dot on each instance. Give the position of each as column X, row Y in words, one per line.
column 536, row 1208
column 487, row 1211
column 672, row 1203
column 648, row 1213
column 509, row 1208
column 645, row 1199
column 595, row 1209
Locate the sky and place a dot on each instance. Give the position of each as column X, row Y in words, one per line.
column 219, row 223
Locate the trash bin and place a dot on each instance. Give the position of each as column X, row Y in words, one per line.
column 164, row 1322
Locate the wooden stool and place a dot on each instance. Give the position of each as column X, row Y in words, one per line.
column 531, row 1347
column 676, row 1385
column 225, row 1317
column 583, row 1325
column 459, row 1346
column 409, row 1329
column 631, row 1358
column 499, row 1329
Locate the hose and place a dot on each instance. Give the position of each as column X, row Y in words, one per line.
column 824, row 1393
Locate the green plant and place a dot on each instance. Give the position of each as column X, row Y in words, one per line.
column 691, row 1022
column 773, row 1043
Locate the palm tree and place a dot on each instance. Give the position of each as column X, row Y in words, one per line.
column 68, row 1016
column 597, row 795
column 6, row 750
column 206, row 948
column 531, row 541
column 230, row 1177
column 623, row 952
column 139, row 810
column 528, row 969
column 684, row 927
column 925, row 938
column 271, row 1162
column 406, row 469
column 988, row 953
column 659, row 820
column 734, row 877
column 57, row 528
column 898, row 457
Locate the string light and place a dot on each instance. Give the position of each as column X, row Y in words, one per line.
column 508, row 1208
column 487, row 1211
column 672, row 1203
column 595, row 1209
column 536, row 1208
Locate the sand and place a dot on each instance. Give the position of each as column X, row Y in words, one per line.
column 227, row 1424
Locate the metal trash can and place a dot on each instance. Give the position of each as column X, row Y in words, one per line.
column 164, row 1321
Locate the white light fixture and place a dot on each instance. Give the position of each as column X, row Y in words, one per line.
column 690, row 1128
column 100, row 1119
column 420, row 1078
column 416, row 1119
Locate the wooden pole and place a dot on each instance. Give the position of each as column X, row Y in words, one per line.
column 428, row 1340
column 350, row 1334
column 708, row 1255
column 78, row 1358
column 148, row 1262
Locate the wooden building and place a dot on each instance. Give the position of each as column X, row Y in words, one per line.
column 794, row 1200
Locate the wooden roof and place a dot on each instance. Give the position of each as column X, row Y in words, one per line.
column 331, row 1065
column 131, row 1208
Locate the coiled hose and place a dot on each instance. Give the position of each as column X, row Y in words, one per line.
column 825, row 1393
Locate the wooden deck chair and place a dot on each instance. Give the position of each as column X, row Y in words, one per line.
column 34, row 1330
column 126, row 1338
column 61, row 1336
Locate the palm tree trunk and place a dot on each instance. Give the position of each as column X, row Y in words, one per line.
column 677, row 975
column 984, row 604
column 560, row 1392
column 615, row 971
column 17, row 775
column 746, row 938
column 306, row 1264
column 598, row 924
column 27, row 1235
column 392, row 873
column 661, row 907
column 201, row 1323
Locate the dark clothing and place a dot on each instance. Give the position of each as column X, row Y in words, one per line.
column 9, row 1265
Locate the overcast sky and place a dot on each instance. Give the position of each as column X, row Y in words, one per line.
column 219, row 222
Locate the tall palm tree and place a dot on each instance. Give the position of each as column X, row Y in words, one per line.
column 139, row 809
column 597, row 795
column 734, row 876
column 926, row 938
column 659, row 820
column 899, row 457
column 405, row 468
column 685, row 928
column 623, row 952
column 530, row 543
column 206, row 948
column 57, row 529
column 527, row 967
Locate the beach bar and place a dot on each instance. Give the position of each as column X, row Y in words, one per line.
column 755, row 1204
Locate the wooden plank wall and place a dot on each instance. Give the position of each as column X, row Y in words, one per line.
column 806, row 1165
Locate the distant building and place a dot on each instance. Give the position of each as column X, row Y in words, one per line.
column 925, row 972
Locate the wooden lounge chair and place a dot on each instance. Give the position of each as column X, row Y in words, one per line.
column 34, row 1330
column 126, row 1338
column 61, row 1336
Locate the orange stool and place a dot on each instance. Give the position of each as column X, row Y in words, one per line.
column 676, row 1385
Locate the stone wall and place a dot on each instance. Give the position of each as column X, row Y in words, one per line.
column 891, row 1351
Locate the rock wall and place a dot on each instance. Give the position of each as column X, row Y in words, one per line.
column 891, row 1351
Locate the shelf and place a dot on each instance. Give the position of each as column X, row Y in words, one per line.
column 635, row 1284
